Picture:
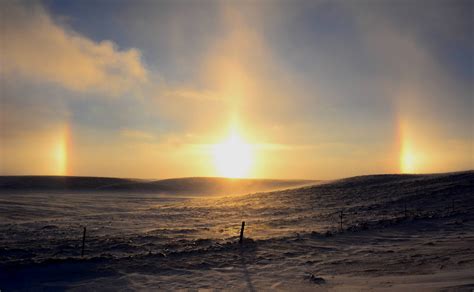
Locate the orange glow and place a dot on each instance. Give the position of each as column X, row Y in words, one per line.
column 60, row 151
column 233, row 158
column 413, row 151
column 407, row 158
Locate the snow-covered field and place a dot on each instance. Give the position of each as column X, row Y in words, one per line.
column 399, row 232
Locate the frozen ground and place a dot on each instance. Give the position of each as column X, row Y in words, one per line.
column 146, row 241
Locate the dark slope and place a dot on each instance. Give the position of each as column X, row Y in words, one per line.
column 184, row 186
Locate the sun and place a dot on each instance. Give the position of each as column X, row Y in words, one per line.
column 233, row 158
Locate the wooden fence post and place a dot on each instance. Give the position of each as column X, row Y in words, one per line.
column 83, row 241
column 340, row 216
column 241, row 241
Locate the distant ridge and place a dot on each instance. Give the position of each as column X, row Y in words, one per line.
column 198, row 185
column 180, row 186
column 380, row 179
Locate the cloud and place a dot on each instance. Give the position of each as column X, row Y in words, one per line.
column 34, row 46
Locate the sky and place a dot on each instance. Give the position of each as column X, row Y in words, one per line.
column 259, row 89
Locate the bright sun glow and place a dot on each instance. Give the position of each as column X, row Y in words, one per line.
column 233, row 158
column 408, row 162
column 60, row 158
column 60, row 152
column 408, row 159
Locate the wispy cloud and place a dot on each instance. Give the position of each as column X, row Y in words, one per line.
column 35, row 46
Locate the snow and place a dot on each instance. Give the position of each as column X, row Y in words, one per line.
column 293, row 242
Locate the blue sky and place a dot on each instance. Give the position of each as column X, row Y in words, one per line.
column 320, row 89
